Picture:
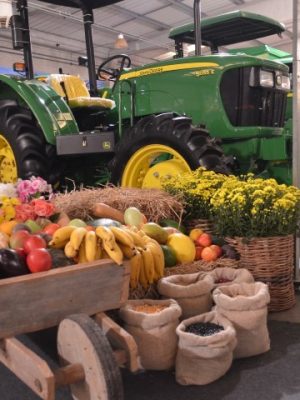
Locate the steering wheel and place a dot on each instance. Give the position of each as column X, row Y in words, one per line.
column 113, row 73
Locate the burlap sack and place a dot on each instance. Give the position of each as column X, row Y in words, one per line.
column 203, row 359
column 233, row 275
column 191, row 291
column 245, row 305
column 155, row 334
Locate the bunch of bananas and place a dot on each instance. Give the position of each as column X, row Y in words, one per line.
column 145, row 254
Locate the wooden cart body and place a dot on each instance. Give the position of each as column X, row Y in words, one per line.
column 38, row 301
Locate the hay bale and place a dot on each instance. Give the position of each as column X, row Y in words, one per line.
column 154, row 203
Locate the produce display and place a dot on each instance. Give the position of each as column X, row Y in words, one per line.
column 35, row 236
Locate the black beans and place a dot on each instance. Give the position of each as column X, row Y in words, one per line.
column 204, row 328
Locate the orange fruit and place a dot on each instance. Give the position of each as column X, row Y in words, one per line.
column 208, row 254
column 7, row 226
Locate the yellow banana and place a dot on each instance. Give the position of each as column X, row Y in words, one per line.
column 91, row 245
column 61, row 236
column 127, row 251
column 122, row 236
column 77, row 237
column 115, row 253
column 105, row 234
column 135, row 269
column 148, row 264
column 69, row 250
column 143, row 277
column 99, row 250
column 137, row 239
column 159, row 260
column 81, row 254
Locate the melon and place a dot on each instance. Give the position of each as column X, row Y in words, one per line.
column 183, row 247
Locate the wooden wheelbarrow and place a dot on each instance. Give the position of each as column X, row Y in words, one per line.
column 91, row 346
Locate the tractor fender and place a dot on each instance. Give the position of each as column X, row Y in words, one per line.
column 50, row 110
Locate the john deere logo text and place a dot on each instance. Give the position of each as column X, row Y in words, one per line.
column 106, row 145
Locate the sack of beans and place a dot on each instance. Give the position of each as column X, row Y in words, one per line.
column 228, row 276
column 153, row 325
column 191, row 291
column 245, row 305
column 205, row 349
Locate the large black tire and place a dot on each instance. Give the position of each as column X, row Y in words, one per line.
column 33, row 155
column 192, row 143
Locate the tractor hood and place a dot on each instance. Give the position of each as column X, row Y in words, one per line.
column 229, row 28
column 82, row 4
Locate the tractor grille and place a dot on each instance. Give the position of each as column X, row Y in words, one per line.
column 251, row 106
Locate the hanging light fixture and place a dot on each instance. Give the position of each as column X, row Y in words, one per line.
column 121, row 42
column 6, row 12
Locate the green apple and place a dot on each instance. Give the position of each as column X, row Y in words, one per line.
column 33, row 226
column 77, row 222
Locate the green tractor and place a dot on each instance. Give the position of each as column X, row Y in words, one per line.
column 160, row 119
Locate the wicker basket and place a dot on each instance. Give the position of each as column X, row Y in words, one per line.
column 270, row 260
column 189, row 268
column 205, row 224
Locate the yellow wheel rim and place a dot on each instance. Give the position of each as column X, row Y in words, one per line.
column 143, row 171
column 8, row 165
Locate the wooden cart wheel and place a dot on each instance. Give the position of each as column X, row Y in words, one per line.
column 81, row 340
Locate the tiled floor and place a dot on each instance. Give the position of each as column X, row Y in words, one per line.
column 292, row 315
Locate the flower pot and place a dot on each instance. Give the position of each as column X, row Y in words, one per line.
column 270, row 260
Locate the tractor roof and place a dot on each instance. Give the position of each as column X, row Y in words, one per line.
column 229, row 28
column 90, row 4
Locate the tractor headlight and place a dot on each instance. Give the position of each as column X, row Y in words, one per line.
column 285, row 82
column 266, row 78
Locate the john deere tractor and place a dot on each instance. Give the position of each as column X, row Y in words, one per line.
column 160, row 119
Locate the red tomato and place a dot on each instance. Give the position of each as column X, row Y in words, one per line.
column 198, row 252
column 51, row 228
column 34, row 242
column 39, row 260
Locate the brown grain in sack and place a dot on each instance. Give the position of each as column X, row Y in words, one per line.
column 155, row 333
column 245, row 305
column 191, row 291
column 228, row 276
column 203, row 359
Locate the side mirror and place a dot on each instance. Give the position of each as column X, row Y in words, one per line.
column 17, row 28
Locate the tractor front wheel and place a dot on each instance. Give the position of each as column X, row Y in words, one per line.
column 24, row 151
column 164, row 145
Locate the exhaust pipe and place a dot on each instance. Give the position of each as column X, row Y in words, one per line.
column 197, row 27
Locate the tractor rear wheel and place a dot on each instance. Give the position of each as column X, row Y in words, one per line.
column 161, row 145
column 24, row 151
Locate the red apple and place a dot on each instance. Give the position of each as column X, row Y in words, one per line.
column 34, row 242
column 18, row 238
column 39, row 260
column 204, row 240
column 198, row 252
column 217, row 249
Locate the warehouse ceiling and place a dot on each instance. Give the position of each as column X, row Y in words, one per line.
column 57, row 32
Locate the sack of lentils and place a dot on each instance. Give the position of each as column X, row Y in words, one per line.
column 205, row 349
column 228, row 276
column 191, row 291
column 153, row 325
column 245, row 305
